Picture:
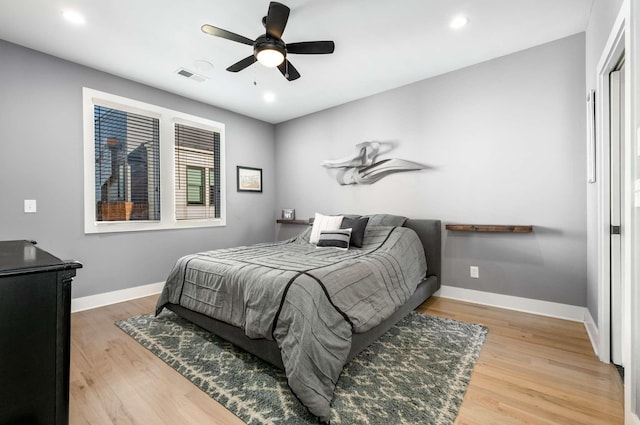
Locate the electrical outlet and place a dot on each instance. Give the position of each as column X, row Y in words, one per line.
column 474, row 272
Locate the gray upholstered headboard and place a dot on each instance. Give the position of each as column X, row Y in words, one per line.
column 430, row 234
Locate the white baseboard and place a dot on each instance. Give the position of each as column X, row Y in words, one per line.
column 527, row 305
column 509, row 302
column 100, row 300
column 592, row 331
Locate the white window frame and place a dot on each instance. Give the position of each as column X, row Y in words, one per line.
column 168, row 118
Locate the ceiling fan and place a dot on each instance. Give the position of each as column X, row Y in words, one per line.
column 269, row 49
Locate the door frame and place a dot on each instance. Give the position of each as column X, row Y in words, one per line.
column 617, row 143
column 613, row 51
column 624, row 36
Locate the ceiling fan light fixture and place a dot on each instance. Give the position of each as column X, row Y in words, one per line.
column 270, row 56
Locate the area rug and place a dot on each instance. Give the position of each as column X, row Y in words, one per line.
column 416, row 373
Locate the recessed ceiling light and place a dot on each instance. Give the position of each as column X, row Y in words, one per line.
column 458, row 22
column 269, row 97
column 73, row 17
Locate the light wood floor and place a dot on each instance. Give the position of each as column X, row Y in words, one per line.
column 532, row 370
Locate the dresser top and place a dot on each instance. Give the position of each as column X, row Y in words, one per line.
column 25, row 257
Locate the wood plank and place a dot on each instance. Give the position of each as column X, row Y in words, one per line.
column 114, row 380
column 531, row 370
column 518, row 228
column 534, row 370
column 283, row 221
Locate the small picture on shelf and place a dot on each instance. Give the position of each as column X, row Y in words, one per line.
column 288, row 214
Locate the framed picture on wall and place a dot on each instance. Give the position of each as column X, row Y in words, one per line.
column 249, row 179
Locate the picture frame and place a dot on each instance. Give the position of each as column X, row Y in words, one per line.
column 249, row 179
column 288, row 214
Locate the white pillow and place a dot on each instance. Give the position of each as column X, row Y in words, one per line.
column 324, row 222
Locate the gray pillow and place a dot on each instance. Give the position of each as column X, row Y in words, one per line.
column 357, row 226
column 386, row 220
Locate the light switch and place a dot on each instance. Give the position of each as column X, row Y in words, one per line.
column 29, row 205
column 474, row 272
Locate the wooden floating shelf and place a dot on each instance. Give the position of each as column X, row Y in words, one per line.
column 283, row 221
column 489, row 228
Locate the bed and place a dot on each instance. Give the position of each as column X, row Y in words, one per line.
column 305, row 309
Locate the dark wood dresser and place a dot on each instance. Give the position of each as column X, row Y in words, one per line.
column 35, row 313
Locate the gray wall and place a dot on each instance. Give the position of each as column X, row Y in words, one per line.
column 504, row 141
column 41, row 158
column 603, row 16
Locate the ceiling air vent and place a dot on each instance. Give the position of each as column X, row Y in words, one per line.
column 191, row 75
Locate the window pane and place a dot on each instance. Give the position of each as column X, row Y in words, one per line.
column 196, row 195
column 127, row 180
column 212, row 187
column 195, row 185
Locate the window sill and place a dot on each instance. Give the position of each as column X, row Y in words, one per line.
column 144, row 226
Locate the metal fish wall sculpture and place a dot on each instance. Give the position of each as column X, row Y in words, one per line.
column 362, row 168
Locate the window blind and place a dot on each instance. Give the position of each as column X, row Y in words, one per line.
column 127, row 165
column 197, row 159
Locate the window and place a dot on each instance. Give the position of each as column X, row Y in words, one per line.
column 195, row 186
column 127, row 173
column 214, row 192
column 197, row 151
column 148, row 167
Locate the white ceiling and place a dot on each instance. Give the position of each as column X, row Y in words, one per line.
column 380, row 44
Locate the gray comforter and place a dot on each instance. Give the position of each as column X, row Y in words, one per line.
column 309, row 300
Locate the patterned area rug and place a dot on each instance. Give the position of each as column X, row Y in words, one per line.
column 416, row 373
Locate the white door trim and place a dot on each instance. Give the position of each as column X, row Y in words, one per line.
column 625, row 35
column 617, row 144
column 611, row 55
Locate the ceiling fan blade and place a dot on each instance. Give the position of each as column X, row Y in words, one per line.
column 277, row 19
column 311, row 47
column 242, row 64
column 219, row 32
column 288, row 70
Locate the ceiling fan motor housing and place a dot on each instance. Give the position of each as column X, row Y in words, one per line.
column 266, row 42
